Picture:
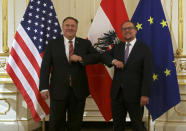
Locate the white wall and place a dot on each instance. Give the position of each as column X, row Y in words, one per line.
column 84, row 11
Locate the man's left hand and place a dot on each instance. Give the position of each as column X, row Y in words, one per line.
column 75, row 58
column 144, row 100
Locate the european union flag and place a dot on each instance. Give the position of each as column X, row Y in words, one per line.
column 153, row 30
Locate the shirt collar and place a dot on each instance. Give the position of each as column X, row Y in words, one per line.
column 67, row 40
column 132, row 42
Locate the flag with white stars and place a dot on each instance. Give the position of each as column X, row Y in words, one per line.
column 153, row 30
column 38, row 25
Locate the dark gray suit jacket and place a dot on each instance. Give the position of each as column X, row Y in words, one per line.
column 55, row 58
column 136, row 77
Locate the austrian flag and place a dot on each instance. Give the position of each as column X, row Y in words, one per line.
column 104, row 32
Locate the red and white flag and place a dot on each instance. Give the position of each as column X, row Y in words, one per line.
column 104, row 32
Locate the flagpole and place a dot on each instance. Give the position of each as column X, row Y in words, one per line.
column 149, row 120
column 180, row 27
column 43, row 124
column 27, row 2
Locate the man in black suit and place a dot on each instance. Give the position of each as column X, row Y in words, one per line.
column 132, row 79
column 63, row 77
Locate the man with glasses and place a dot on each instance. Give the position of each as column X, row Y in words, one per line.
column 132, row 79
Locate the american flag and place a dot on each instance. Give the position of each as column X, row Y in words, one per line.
column 38, row 25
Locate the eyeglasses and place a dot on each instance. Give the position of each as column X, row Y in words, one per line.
column 127, row 28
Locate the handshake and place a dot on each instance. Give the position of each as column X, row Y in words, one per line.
column 75, row 58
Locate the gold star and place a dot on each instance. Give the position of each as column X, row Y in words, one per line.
column 139, row 26
column 167, row 72
column 164, row 23
column 151, row 20
column 155, row 76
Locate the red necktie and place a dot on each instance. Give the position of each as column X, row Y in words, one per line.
column 71, row 52
column 71, row 49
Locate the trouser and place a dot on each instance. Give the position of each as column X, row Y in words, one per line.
column 73, row 107
column 120, row 107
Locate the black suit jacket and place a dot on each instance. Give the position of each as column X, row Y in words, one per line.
column 135, row 78
column 55, row 57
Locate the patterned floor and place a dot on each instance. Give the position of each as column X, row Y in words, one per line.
column 100, row 126
column 95, row 126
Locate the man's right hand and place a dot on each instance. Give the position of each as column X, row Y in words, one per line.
column 45, row 95
column 75, row 58
column 118, row 64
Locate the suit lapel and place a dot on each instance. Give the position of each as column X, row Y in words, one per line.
column 63, row 49
column 132, row 53
column 76, row 45
column 122, row 52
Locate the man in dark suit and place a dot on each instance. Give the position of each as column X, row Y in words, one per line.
column 132, row 79
column 63, row 77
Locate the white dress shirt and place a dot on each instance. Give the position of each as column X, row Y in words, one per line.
column 67, row 45
column 131, row 45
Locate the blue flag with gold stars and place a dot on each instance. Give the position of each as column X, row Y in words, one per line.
column 153, row 30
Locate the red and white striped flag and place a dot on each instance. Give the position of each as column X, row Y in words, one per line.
column 39, row 25
column 106, row 28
